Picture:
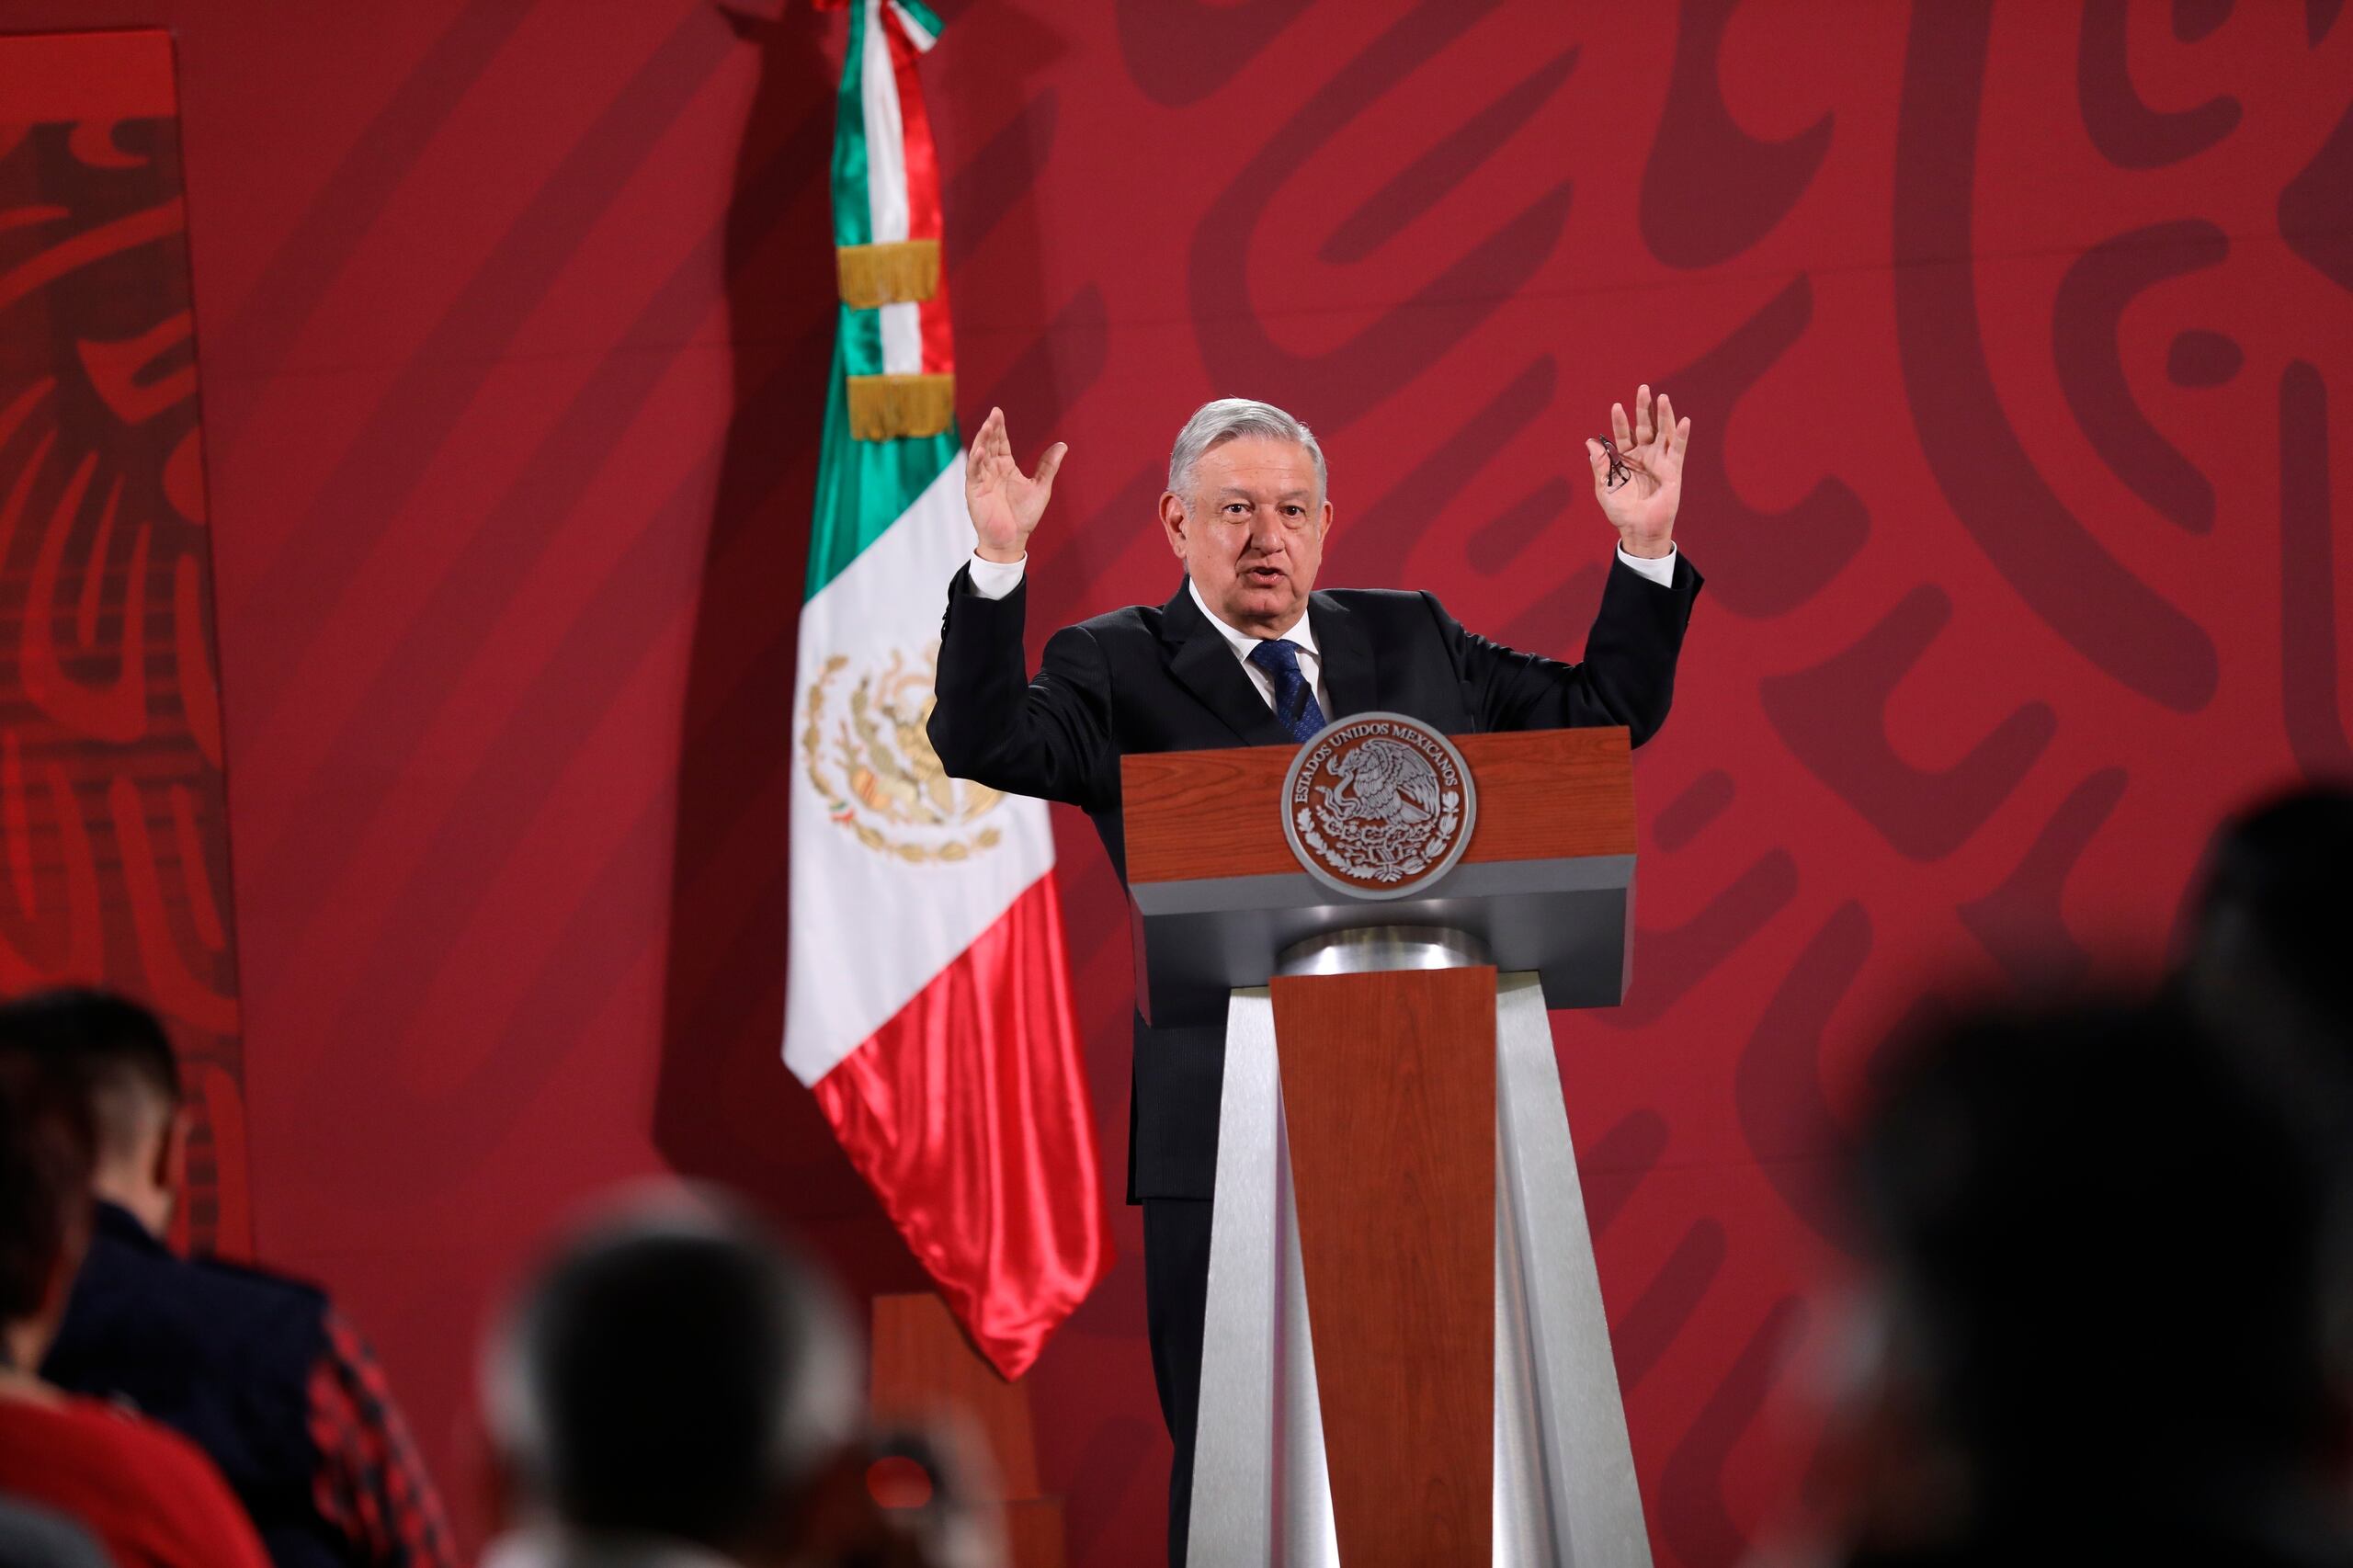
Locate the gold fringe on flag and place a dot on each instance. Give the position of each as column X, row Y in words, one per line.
column 884, row 408
column 896, row 273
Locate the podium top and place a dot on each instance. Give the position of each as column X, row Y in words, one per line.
column 1546, row 881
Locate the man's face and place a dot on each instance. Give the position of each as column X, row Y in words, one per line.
column 1251, row 534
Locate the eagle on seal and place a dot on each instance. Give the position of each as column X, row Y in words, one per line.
column 1384, row 781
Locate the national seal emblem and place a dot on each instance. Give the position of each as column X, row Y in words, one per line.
column 1378, row 805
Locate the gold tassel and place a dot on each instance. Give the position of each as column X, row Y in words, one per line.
column 884, row 408
column 896, row 273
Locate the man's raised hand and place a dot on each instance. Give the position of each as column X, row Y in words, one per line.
column 1005, row 504
column 1642, row 506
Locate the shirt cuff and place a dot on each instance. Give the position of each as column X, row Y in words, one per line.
column 995, row 579
column 1660, row 571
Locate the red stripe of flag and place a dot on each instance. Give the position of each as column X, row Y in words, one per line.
column 967, row 1115
column 923, row 190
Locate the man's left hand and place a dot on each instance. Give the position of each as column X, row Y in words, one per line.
column 1641, row 507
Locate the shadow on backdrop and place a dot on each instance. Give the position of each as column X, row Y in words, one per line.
column 726, row 1110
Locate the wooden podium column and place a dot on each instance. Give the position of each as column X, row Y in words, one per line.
column 1389, row 1106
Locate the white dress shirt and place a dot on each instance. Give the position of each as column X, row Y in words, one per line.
column 1302, row 637
column 995, row 579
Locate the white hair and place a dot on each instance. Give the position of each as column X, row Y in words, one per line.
column 1214, row 423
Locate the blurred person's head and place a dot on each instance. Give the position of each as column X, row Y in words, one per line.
column 671, row 1372
column 2271, row 927
column 2113, row 1259
column 46, row 1149
column 116, row 1051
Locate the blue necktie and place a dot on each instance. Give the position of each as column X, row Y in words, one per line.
column 1296, row 709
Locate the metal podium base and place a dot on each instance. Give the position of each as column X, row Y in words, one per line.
column 1565, row 1491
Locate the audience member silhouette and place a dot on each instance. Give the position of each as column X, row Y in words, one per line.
column 261, row 1371
column 2112, row 1299
column 2270, row 956
column 675, row 1387
column 149, row 1496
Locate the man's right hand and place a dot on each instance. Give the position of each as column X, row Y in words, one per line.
column 1003, row 503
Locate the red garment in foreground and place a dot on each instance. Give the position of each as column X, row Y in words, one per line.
column 148, row 1493
column 991, row 1046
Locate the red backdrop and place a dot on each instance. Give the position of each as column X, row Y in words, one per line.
column 2015, row 339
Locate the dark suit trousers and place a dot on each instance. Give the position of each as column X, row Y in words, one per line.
column 1175, row 1299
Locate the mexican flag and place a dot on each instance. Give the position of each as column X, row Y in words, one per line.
column 927, row 1004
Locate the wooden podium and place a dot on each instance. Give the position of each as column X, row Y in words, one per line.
column 1406, row 1358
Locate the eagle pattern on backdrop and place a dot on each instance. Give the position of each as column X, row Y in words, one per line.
column 114, row 850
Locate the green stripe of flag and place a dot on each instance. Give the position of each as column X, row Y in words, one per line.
column 925, row 16
column 864, row 486
column 853, row 210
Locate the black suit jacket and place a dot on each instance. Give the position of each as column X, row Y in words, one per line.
column 1145, row 679
column 224, row 1355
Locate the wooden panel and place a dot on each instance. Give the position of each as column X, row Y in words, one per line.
column 1034, row 1537
column 1388, row 1103
column 1543, row 795
column 923, row 1365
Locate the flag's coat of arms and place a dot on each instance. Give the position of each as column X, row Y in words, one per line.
column 867, row 753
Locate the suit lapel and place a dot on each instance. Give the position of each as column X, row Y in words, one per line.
column 1347, row 653
column 1200, row 658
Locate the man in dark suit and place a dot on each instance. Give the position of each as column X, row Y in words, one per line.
column 1248, row 654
